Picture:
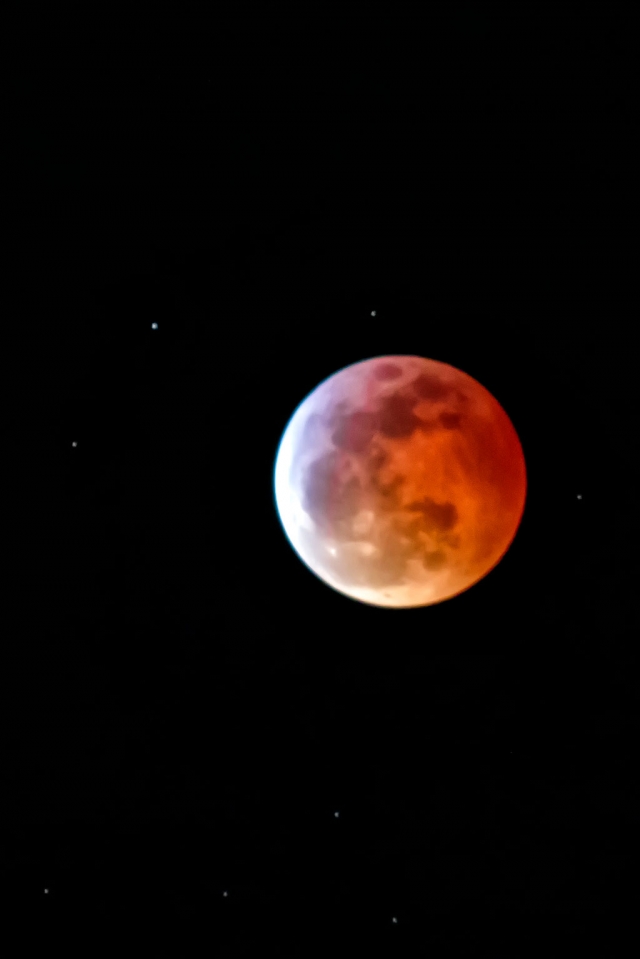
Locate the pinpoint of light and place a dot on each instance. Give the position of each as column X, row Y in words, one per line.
column 154, row 326
column 373, row 312
column 74, row 443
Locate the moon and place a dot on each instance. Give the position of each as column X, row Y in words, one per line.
column 400, row 481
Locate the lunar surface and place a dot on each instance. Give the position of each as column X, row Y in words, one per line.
column 400, row 481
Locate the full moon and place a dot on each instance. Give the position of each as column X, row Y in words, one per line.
column 400, row 481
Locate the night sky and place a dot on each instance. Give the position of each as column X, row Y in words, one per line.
column 199, row 734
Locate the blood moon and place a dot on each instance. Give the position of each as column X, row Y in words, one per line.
column 400, row 481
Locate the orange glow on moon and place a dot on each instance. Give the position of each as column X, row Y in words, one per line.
column 400, row 481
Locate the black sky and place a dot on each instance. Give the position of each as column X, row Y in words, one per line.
column 187, row 706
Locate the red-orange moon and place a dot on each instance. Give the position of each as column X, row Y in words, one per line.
column 400, row 481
